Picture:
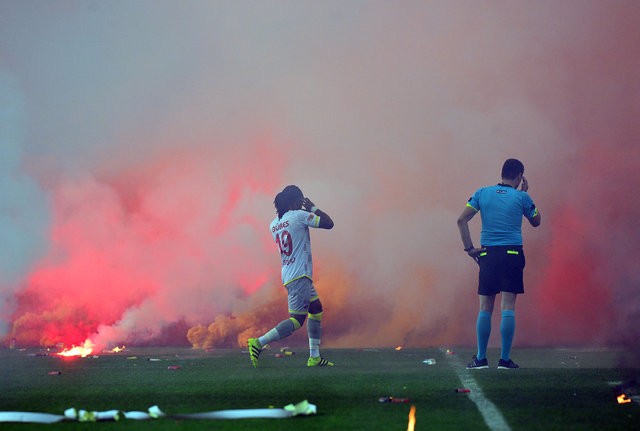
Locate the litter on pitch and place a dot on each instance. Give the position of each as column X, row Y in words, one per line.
column 394, row 400
column 282, row 355
column 72, row 414
column 429, row 361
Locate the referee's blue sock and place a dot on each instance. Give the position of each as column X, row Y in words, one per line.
column 483, row 329
column 507, row 329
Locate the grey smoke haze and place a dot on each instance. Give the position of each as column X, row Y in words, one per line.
column 148, row 139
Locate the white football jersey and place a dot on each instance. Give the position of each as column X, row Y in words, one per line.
column 291, row 234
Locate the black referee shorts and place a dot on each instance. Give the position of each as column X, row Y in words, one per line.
column 501, row 270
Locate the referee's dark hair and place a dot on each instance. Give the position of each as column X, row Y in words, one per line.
column 511, row 169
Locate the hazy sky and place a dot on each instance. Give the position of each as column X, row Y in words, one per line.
column 142, row 143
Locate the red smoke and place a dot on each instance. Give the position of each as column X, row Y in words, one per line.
column 588, row 279
column 163, row 243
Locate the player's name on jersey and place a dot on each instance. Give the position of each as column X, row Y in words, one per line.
column 279, row 226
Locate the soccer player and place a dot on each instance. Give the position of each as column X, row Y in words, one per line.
column 290, row 231
column 500, row 256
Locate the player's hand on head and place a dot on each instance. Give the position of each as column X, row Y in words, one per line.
column 524, row 186
column 307, row 204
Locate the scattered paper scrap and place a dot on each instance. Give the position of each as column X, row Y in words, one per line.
column 393, row 400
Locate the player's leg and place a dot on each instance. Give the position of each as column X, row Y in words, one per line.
column 298, row 301
column 314, row 327
column 314, row 331
column 283, row 329
column 280, row 331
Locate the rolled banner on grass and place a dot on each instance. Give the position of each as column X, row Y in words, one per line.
column 291, row 410
column 29, row 417
column 154, row 412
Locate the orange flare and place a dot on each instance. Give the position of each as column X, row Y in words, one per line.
column 623, row 399
column 84, row 350
column 412, row 419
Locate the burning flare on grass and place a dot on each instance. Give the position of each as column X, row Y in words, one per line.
column 117, row 349
column 623, row 399
column 412, row 418
column 82, row 351
column 399, row 348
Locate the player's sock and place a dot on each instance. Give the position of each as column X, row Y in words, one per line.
column 314, row 347
column 507, row 329
column 314, row 331
column 483, row 329
column 282, row 330
column 270, row 336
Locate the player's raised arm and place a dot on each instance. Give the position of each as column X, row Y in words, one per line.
column 325, row 221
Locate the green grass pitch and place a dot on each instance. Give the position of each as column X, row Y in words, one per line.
column 556, row 389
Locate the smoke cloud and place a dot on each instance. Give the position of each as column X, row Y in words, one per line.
column 143, row 143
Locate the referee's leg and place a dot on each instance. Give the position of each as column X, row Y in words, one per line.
column 507, row 323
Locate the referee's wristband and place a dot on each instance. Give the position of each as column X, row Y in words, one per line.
column 468, row 249
column 313, row 209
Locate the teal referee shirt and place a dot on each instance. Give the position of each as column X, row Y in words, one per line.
column 501, row 209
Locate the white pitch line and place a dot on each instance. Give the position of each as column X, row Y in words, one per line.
column 492, row 416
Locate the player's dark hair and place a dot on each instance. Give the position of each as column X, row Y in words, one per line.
column 286, row 198
column 281, row 203
column 293, row 192
column 511, row 168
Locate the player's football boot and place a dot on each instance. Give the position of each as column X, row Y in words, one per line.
column 507, row 365
column 319, row 362
column 477, row 364
column 254, row 350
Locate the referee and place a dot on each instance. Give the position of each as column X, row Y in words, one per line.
column 500, row 255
